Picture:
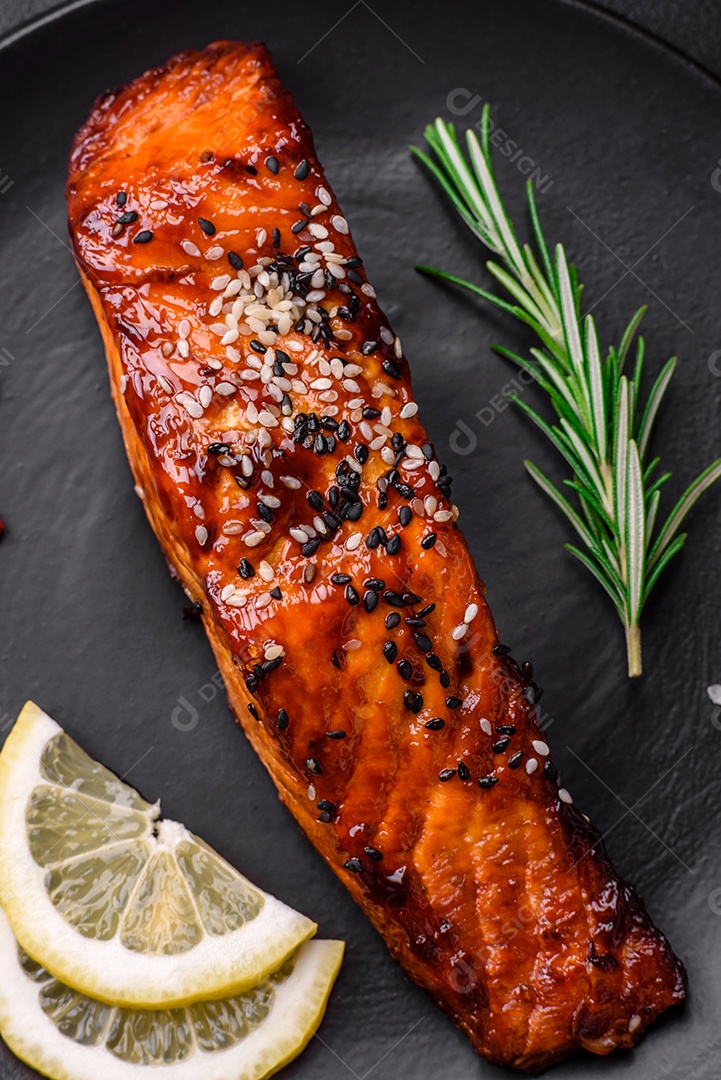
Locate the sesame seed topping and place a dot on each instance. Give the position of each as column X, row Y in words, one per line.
column 541, row 747
column 564, row 795
column 531, row 766
column 207, row 226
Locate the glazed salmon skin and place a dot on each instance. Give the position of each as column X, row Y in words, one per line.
column 268, row 415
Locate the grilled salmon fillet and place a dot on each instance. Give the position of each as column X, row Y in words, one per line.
column 268, row 415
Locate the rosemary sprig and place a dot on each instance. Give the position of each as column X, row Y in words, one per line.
column 601, row 428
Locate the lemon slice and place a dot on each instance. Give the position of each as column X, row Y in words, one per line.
column 123, row 906
column 68, row 1036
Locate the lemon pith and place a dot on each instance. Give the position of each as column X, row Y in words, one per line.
column 127, row 908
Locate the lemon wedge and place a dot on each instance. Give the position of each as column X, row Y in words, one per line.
column 66, row 1035
column 117, row 903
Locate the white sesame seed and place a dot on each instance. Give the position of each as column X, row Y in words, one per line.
column 201, row 534
column 227, row 591
column 323, row 195
column 252, row 539
column 434, row 471
column 183, row 348
column 442, row 515
column 471, row 612
column 343, row 335
column 215, row 252
column 220, row 282
column 183, row 328
column 353, row 542
column 351, row 386
column 298, row 534
column 123, row 383
column 267, row 419
column 266, row 571
column 272, row 652
column 205, row 394
column 414, row 452
column 486, row 726
column 260, row 237
column 291, row 481
column 379, row 442
column 635, row 1022
column 321, row 384
column 267, row 478
column 408, row 410
column 317, row 230
column 368, row 290
column 352, row 644
column 230, row 337
column 564, row 795
column 272, row 501
column 190, row 248
column 459, row 632
column 339, row 224
column 294, row 346
column 225, row 388
column 388, row 455
column 233, row 528
column 386, row 335
column 216, row 306
column 238, row 599
column 191, row 406
column 264, row 600
column 541, row 748
column 531, row 766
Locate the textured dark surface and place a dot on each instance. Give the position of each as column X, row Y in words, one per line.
column 629, row 135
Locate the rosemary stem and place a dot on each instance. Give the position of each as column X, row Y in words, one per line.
column 633, row 651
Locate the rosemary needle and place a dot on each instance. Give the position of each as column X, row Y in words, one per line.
column 601, row 429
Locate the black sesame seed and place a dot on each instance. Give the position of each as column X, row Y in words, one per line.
column 488, row 781
column 506, row 729
column 501, row 650
column 435, row 724
column 332, row 521
column 370, row 601
column 310, row 547
column 275, row 237
column 242, row 482
column 341, row 579
column 265, row 513
column 464, row 773
column 390, row 368
column 271, row 163
column 315, row 499
column 423, row 642
column 374, row 583
column 252, row 682
column 251, row 170
column 253, row 711
column 393, row 599
column 360, row 453
column 246, row 568
column 446, row 774
column 271, row 665
column 325, row 817
column 218, row 448
column 404, row 490
column 355, row 277
column 500, row 745
column 326, row 806
column 398, row 442
column 235, row 260
column 515, row 760
column 405, row 516
column 299, row 226
column 394, row 545
column 301, row 170
column 453, row 702
column 309, row 573
column 354, row 865
column 128, row 217
column 207, row 226
column 343, row 432
column 314, row 766
column 258, row 346
column 121, row 198
column 276, row 593
column 337, row 734
column 550, row 770
column 434, row 662
column 373, row 853
column 368, row 347
column 282, row 721
column 373, row 539
column 369, row 413
column 426, row 610
column 413, row 701
column 319, row 444
column 392, row 620
column 405, row 669
column 390, row 651
column 445, row 680
column 143, row 237
column 351, row 595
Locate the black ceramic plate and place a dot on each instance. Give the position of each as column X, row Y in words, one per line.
column 626, row 136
